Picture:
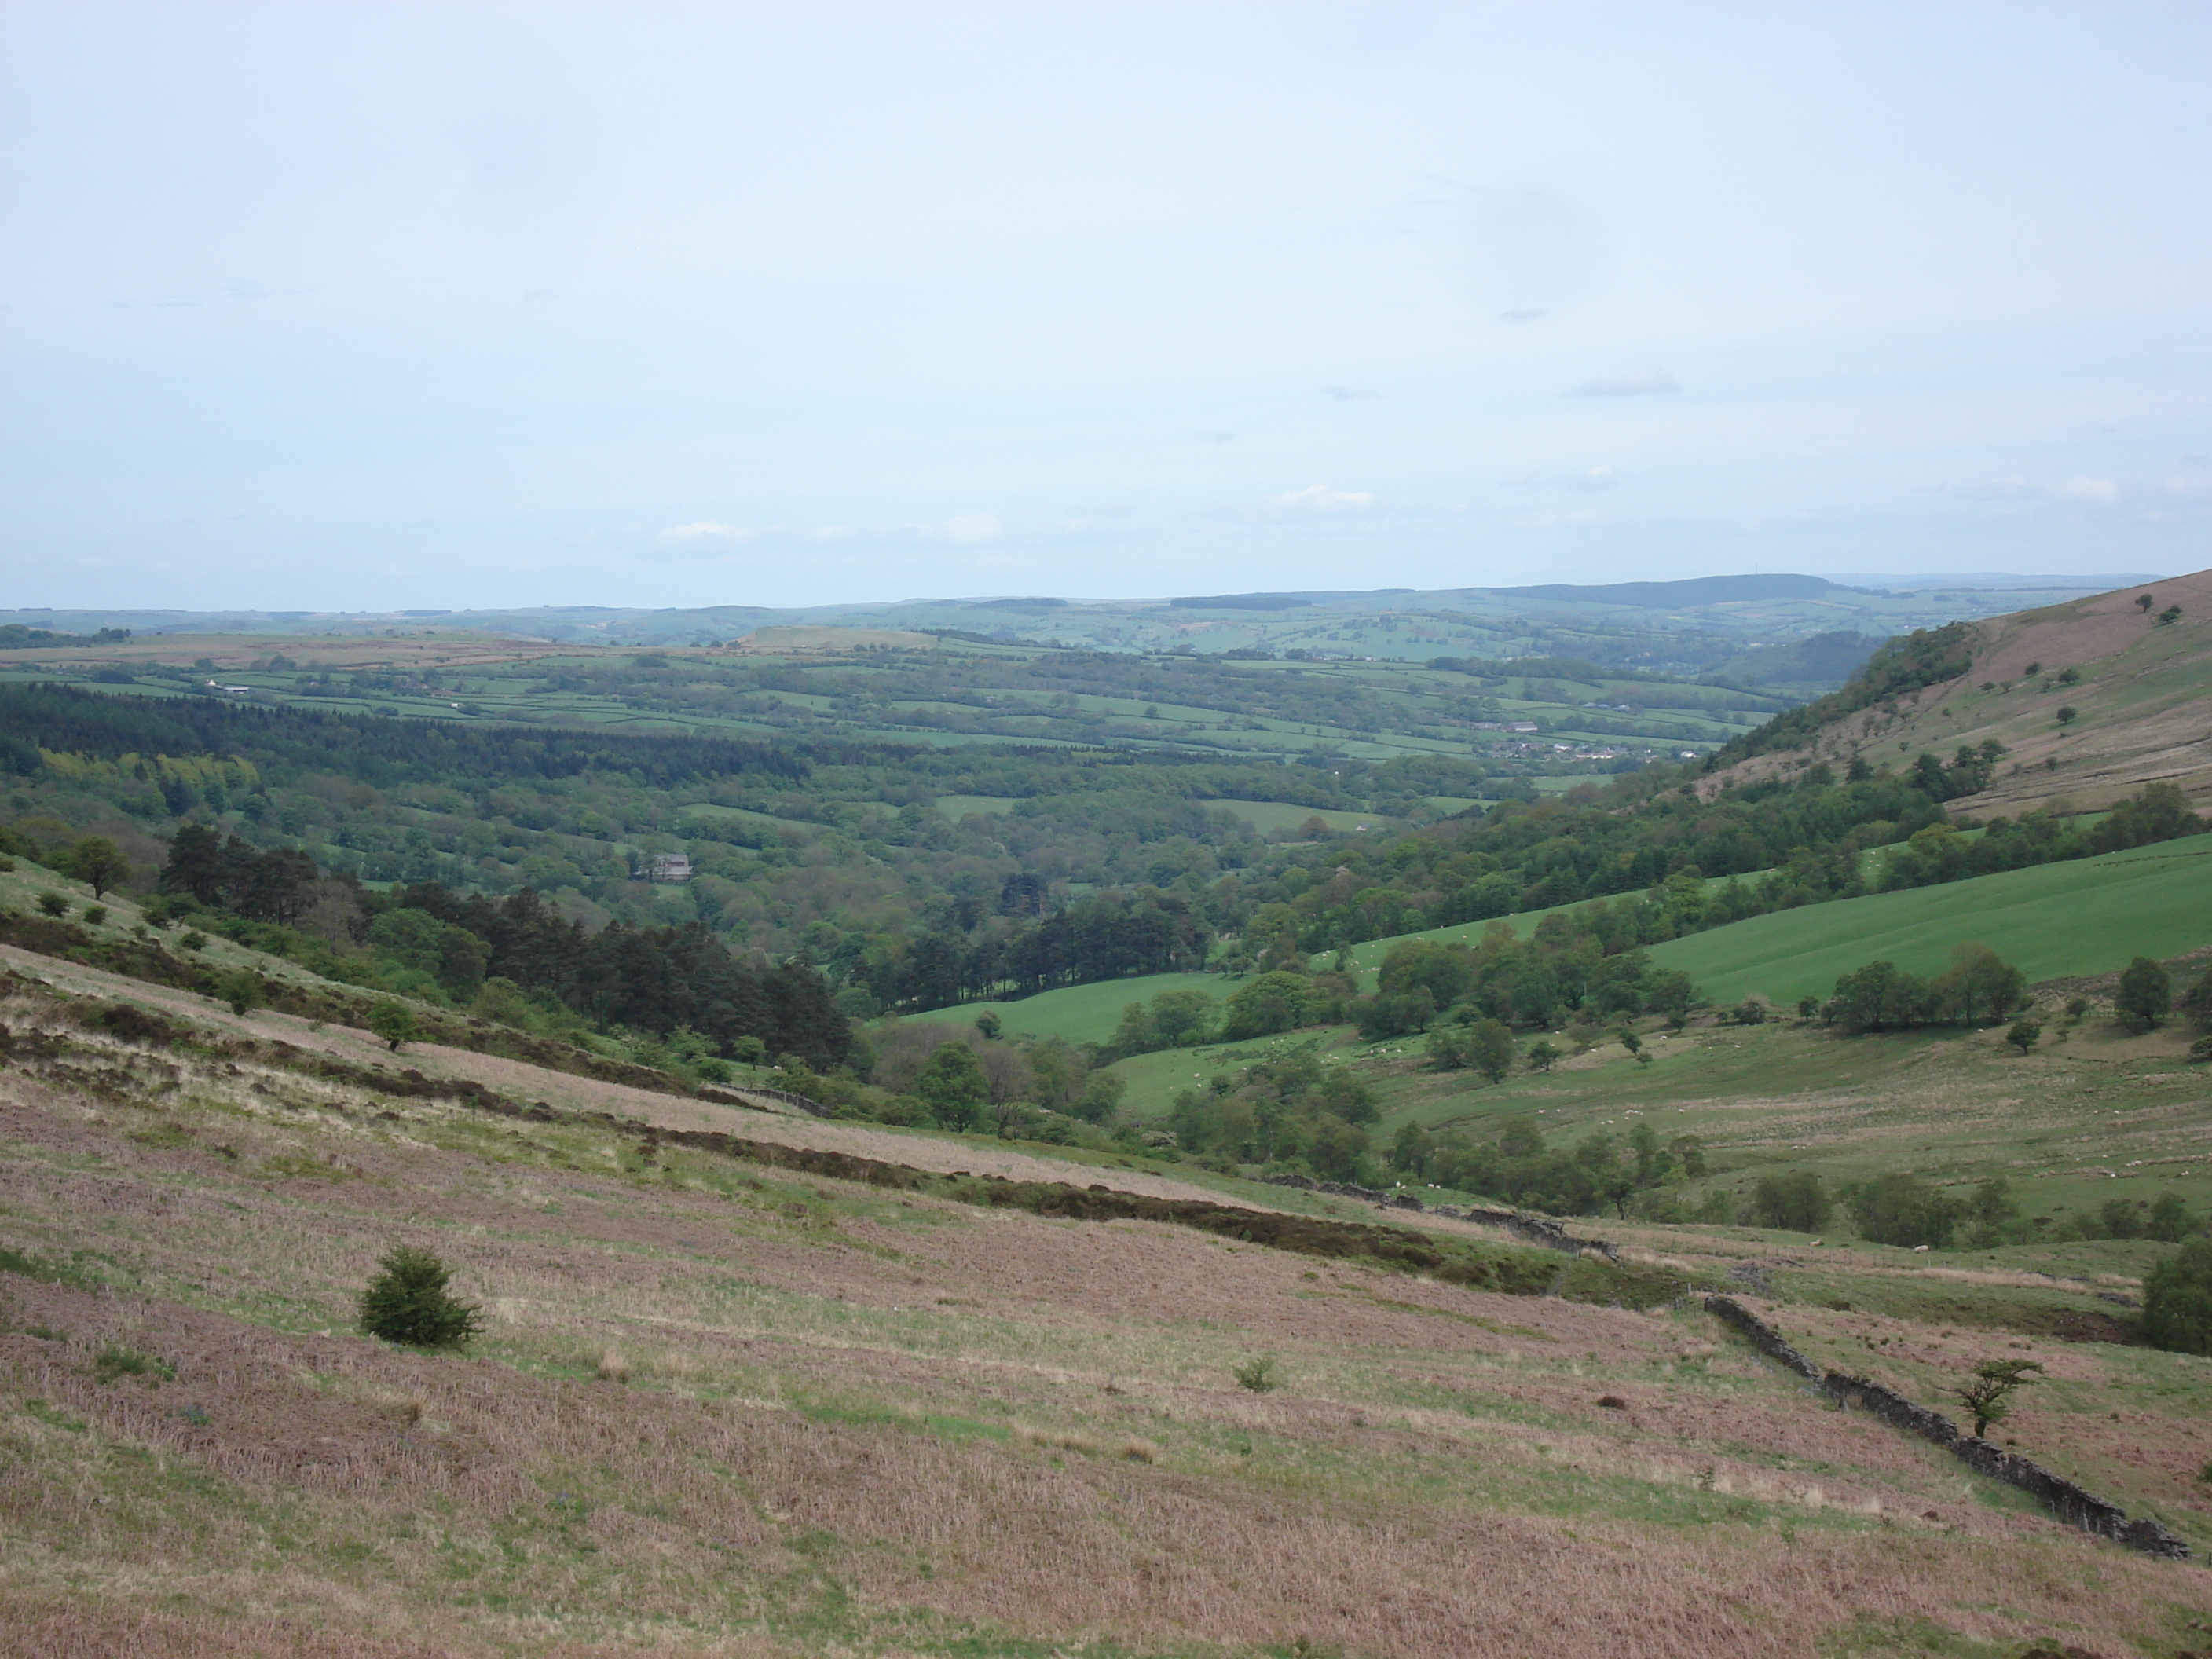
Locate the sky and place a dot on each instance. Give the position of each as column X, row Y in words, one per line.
column 320, row 306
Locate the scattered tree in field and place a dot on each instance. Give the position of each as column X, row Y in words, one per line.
column 1750, row 1012
column 2170, row 1220
column 1878, row 997
column 1809, row 1008
column 1630, row 1041
column 1902, row 1209
column 2025, row 1035
column 1978, row 985
column 2178, row 1300
column 1793, row 1203
column 241, row 988
column 951, row 1085
column 989, row 1025
column 96, row 862
column 1490, row 1049
column 2171, row 615
column 2145, row 996
column 1988, row 1394
column 2066, row 714
column 1542, row 1055
column 1995, row 1214
column 51, row 903
column 407, row 1302
column 2144, row 603
column 392, row 1020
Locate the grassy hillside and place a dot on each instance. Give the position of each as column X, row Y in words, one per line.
column 2088, row 916
column 720, row 1408
column 1080, row 1014
column 2132, row 677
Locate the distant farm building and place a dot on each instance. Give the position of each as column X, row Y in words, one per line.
column 668, row 867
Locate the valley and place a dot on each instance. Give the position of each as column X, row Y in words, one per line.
column 966, row 1147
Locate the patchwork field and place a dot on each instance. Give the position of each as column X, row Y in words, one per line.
column 721, row 1408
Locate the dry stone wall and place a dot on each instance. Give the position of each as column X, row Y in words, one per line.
column 1534, row 1229
column 2060, row 1496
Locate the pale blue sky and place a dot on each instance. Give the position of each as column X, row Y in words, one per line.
column 357, row 307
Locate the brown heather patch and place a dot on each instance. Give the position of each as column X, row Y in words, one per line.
column 721, row 1408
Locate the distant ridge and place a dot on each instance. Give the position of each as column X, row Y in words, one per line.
column 1697, row 590
column 1994, row 582
column 1278, row 601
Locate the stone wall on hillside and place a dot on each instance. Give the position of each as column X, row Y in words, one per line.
column 1533, row 1229
column 2069, row 1502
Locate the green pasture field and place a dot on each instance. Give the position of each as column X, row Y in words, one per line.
column 1080, row 1014
column 707, row 809
column 958, row 807
column 1273, row 817
column 2088, row 916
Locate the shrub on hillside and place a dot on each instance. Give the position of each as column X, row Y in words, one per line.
column 407, row 1302
column 2197, row 1001
column 2178, row 1300
column 390, row 1019
column 241, row 988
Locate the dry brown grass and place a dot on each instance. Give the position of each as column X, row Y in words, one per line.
column 718, row 1410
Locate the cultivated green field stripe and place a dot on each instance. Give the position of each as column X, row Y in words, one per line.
column 2088, row 916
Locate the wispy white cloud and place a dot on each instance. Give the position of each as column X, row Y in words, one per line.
column 707, row 531
column 1650, row 382
column 1588, row 481
column 972, row 529
column 2087, row 490
column 1318, row 500
column 1574, row 519
column 2080, row 488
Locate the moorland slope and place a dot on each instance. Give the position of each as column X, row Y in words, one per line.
column 719, row 1406
column 2091, row 699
